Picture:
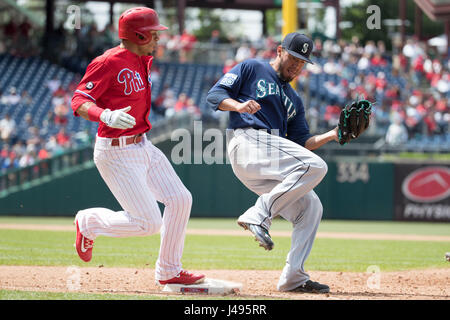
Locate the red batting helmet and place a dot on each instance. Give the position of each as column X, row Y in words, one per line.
column 135, row 25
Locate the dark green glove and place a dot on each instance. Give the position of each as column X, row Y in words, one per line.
column 354, row 120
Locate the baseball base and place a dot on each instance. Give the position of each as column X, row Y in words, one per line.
column 209, row 286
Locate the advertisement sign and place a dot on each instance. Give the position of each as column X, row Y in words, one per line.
column 422, row 192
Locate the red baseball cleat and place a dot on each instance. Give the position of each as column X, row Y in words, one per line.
column 84, row 246
column 184, row 277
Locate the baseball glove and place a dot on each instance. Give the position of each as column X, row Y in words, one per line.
column 354, row 120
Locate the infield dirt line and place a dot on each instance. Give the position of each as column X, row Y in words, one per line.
column 400, row 285
column 274, row 233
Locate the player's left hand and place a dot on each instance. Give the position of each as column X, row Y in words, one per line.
column 118, row 119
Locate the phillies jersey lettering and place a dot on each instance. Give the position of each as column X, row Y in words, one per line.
column 131, row 80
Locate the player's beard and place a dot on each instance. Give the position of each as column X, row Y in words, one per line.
column 285, row 78
column 283, row 73
column 281, row 70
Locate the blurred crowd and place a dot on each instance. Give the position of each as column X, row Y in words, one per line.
column 76, row 48
column 32, row 147
column 167, row 104
column 410, row 87
column 219, row 48
column 25, row 143
column 410, row 84
column 17, row 37
column 72, row 48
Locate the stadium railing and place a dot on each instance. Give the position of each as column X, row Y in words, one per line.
column 11, row 180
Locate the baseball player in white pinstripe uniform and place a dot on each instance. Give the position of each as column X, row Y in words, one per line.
column 116, row 92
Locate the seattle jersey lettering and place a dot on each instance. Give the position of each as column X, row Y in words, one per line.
column 264, row 88
column 131, row 80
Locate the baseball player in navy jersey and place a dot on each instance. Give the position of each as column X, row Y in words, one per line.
column 270, row 152
column 116, row 92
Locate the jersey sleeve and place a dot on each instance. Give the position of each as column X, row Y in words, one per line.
column 93, row 85
column 298, row 128
column 228, row 86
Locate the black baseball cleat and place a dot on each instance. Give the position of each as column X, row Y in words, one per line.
column 312, row 287
column 261, row 234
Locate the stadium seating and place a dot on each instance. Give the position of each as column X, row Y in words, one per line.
column 318, row 89
column 32, row 74
column 195, row 79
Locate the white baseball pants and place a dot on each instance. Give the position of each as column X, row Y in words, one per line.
column 139, row 175
column 283, row 174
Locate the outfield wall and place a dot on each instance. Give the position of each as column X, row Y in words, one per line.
column 351, row 190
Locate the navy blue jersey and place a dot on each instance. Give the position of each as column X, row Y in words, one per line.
column 281, row 107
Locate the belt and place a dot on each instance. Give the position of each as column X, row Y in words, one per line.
column 134, row 139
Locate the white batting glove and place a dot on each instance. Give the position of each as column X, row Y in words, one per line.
column 118, row 119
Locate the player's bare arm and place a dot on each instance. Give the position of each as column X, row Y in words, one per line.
column 250, row 106
column 83, row 109
column 319, row 140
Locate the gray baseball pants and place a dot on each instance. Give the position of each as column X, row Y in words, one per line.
column 283, row 175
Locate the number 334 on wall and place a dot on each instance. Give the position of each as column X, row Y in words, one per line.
column 352, row 172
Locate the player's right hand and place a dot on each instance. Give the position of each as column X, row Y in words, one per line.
column 118, row 119
column 250, row 106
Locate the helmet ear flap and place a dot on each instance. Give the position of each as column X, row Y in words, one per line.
column 140, row 36
column 143, row 38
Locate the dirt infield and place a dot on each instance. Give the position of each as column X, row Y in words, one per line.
column 430, row 284
column 257, row 284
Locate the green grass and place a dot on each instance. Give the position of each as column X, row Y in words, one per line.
column 38, row 220
column 39, row 295
column 19, row 247
column 32, row 295
column 392, row 227
column 55, row 248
